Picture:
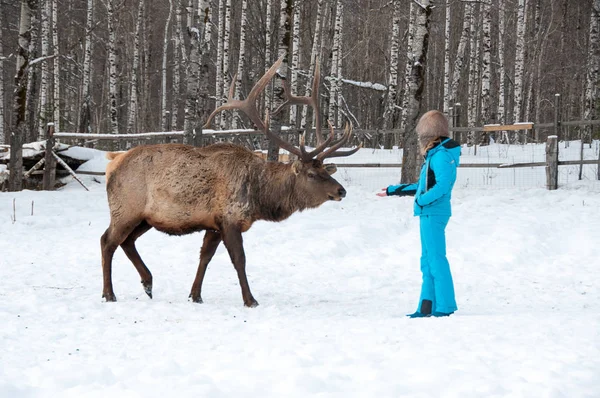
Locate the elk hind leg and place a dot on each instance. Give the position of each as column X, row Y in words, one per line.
column 128, row 247
column 209, row 247
column 114, row 235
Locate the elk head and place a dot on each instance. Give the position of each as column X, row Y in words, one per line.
column 313, row 177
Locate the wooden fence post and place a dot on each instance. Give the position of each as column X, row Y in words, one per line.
column 50, row 168
column 552, row 162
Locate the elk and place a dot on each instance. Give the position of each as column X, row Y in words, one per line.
column 221, row 189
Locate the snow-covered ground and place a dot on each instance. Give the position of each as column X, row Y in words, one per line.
column 333, row 285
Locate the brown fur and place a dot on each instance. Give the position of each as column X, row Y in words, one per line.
column 223, row 189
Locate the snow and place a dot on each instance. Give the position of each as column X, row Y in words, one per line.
column 371, row 85
column 333, row 285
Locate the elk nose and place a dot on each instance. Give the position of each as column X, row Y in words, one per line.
column 342, row 192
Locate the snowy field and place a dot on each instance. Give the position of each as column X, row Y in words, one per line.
column 333, row 285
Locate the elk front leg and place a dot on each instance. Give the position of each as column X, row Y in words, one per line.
column 209, row 247
column 232, row 237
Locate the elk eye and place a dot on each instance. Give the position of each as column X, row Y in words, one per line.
column 312, row 174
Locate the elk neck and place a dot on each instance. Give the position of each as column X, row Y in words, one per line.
column 279, row 197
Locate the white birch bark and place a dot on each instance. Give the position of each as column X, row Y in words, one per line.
column 112, row 64
column 84, row 114
column 447, row 100
column 392, row 92
column 134, row 85
column 295, row 61
column 163, row 108
column 56, row 68
column 335, row 59
column 501, row 114
column 338, row 84
column 486, row 65
column 226, row 79
column 411, row 167
column 519, row 61
column 2, row 138
column 473, row 87
column 205, row 11
column 408, row 66
column 314, row 56
column 268, row 51
column 460, row 54
column 32, row 115
column 592, row 92
column 175, row 95
column 45, row 115
column 219, row 73
column 241, row 60
column 192, row 77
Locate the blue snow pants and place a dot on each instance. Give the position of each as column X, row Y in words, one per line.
column 437, row 279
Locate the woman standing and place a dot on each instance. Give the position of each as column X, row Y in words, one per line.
column 432, row 205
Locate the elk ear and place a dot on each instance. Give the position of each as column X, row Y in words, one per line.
column 297, row 167
column 330, row 168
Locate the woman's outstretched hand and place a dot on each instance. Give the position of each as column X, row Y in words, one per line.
column 384, row 193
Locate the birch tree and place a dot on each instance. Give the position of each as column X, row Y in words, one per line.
column 56, row 68
column 205, row 11
column 31, row 103
column 295, row 61
column 408, row 65
column 220, row 44
column 15, row 181
column 112, row 65
column 335, row 60
column 473, row 86
column 314, row 56
column 241, row 59
column 192, row 76
column 134, row 85
column 389, row 115
column 447, row 99
column 85, row 113
column 163, row 110
column 592, row 92
column 177, row 50
column 486, row 66
column 45, row 113
column 519, row 60
column 410, row 169
column 2, row 138
column 501, row 113
column 460, row 54
column 268, row 51
column 226, row 79
column 340, row 61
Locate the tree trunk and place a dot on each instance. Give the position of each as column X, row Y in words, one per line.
column 163, row 110
column 112, row 63
column 410, row 165
column 283, row 48
column 486, row 71
column 219, row 73
column 193, row 70
column 205, row 10
column 45, row 113
column 241, row 60
column 226, row 78
column 15, row 180
column 268, row 51
column 519, row 61
column 338, row 84
column 314, row 58
column 408, row 66
column 177, row 50
column 2, row 138
column 335, row 60
column 295, row 62
column 32, row 115
column 473, row 87
column 447, row 99
column 592, row 93
column 85, row 112
column 134, row 88
column 460, row 55
column 56, row 69
column 501, row 113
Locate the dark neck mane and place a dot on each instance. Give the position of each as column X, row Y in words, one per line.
column 277, row 195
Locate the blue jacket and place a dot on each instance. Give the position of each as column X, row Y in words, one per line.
column 438, row 174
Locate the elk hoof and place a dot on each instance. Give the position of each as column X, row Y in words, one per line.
column 148, row 288
column 196, row 299
column 109, row 297
column 251, row 303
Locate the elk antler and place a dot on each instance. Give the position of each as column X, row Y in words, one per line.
column 248, row 106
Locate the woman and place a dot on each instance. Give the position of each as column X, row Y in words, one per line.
column 432, row 205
